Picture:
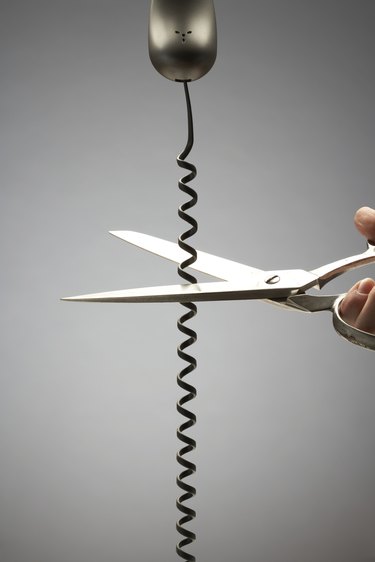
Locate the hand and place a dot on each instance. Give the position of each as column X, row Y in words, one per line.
column 358, row 307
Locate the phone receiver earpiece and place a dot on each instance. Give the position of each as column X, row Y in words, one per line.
column 182, row 38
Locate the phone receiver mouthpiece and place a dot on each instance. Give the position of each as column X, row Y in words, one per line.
column 182, row 38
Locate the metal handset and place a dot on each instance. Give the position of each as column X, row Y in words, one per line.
column 182, row 38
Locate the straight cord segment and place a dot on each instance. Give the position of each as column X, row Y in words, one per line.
column 189, row 468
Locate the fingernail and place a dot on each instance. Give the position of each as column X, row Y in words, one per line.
column 365, row 286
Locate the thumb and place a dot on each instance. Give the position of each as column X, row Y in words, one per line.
column 364, row 220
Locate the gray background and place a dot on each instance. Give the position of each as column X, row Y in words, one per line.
column 285, row 131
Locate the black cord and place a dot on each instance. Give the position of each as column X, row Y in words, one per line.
column 189, row 443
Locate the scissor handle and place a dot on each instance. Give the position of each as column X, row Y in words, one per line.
column 352, row 334
column 328, row 272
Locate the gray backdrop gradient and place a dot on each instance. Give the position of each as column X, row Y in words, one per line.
column 285, row 131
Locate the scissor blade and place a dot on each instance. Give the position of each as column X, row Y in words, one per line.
column 221, row 290
column 264, row 286
column 206, row 263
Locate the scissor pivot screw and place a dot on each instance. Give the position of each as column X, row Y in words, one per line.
column 272, row 280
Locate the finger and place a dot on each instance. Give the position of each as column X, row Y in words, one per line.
column 364, row 220
column 355, row 300
column 355, row 287
column 366, row 318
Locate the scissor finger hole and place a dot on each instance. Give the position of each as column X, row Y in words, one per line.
column 352, row 334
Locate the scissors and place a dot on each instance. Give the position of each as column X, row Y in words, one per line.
column 286, row 288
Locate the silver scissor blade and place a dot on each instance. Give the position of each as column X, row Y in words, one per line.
column 221, row 290
column 288, row 283
column 221, row 268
